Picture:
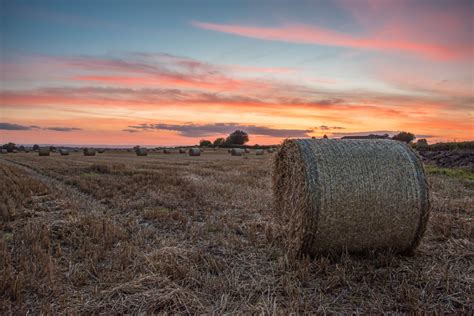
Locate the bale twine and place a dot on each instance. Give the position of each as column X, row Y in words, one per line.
column 354, row 195
column 89, row 152
column 194, row 152
column 259, row 152
column 43, row 151
column 141, row 151
column 182, row 151
column 236, row 152
column 64, row 152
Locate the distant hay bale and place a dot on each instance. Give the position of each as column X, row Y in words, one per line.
column 101, row 150
column 141, row 151
column 194, row 152
column 354, row 195
column 259, row 152
column 229, row 150
column 270, row 150
column 247, row 151
column 166, row 151
column 182, row 151
column 3, row 151
column 43, row 151
column 236, row 152
column 64, row 152
column 89, row 152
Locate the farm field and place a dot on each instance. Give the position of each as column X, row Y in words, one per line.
column 117, row 233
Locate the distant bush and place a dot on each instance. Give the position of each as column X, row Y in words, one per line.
column 205, row 143
column 450, row 146
column 406, row 137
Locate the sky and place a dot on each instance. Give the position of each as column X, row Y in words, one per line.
column 174, row 72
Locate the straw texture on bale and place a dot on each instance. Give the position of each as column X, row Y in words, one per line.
column 350, row 195
column 236, row 152
column 141, row 151
column 194, row 152
column 43, row 151
column 64, row 152
column 89, row 152
column 259, row 152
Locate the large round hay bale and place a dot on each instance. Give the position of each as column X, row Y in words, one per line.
column 89, row 152
column 247, row 151
column 3, row 151
column 182, row 151
column 270, row 150
column 141, row 151
column 166, row 151
column 194, row 152
column 259, row 152
column 101, row 150
column 43, row 151
column 236, row 151
column 64, row 152
column 354, row 195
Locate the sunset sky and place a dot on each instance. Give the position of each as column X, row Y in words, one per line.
column 174, row 72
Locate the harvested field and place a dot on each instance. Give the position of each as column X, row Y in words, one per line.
column 449, row 158
column 117, row 233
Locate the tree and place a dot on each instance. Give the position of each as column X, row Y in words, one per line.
column 36, row 147
column 404, row 137
column 237, row 138
column 219, row 142
column 10, row 147
column 205, row 143
column 422, row 143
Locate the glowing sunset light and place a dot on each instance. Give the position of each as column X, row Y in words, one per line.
column 169, row 74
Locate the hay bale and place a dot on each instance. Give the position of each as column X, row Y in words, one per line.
column 354, row 195
column 270, row 150
column 229, row 150
column 3, row 151
column 141, row 151
column 236, row 152
column 259, row 152
column 247, row 151
column 182, row 151
column 64, row 152
column 166, row 151
column 101, row 150
column 194, row 152
column 43, row 151
column 89, row 152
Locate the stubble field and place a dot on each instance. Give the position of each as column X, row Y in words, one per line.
column 117, row 233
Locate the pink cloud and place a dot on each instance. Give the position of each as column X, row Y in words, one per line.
column 298, row 33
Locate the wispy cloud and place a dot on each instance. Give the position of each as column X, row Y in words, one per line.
column 200, row 130
column 63, row 129
column 311, row 34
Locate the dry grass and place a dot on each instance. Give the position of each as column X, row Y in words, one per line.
column 117, row 233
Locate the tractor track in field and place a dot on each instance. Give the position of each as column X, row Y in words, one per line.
column 84, row 201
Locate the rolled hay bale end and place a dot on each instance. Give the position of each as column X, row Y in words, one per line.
column 166, row 151
column 89, row 152
column 182, row 151
column 64, row 152
column 350, row 195
column 236, row 152
column 194, row 152
column 259, row 152
column 43, row 151
column 141, row 152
